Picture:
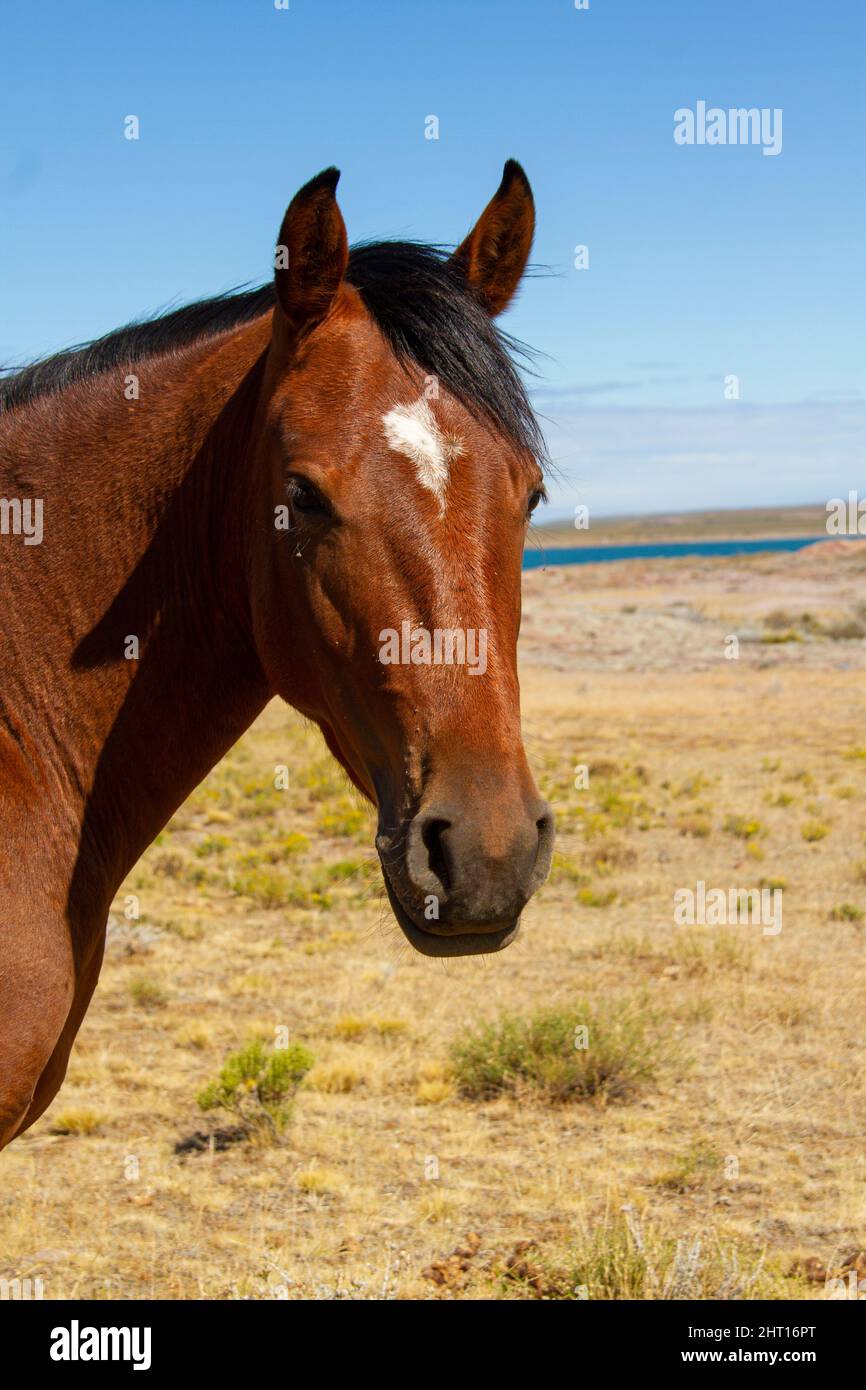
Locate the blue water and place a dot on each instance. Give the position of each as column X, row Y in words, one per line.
column 595, row 554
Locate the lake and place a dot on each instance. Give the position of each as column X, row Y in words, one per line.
column 596, row 554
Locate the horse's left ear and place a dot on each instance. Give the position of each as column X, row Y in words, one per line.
column 312, row 254
column 494, row 255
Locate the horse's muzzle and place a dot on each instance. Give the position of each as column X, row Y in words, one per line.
column 459, row 886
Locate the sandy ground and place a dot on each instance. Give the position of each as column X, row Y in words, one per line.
column 733, row 1168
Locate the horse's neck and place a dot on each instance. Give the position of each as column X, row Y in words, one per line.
column 129, row 663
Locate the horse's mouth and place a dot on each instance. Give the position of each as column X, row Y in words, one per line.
column 446, row 941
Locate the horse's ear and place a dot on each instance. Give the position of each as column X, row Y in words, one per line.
column 312, row 253
column 494, row 255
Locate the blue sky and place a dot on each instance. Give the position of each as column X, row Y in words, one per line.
column 704, row 261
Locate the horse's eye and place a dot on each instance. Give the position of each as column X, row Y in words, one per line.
column 307, row 499
column 537, row 496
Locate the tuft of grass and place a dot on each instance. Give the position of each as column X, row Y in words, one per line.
column 603, row 768
column 699, row 827
column 318, row 1181
column 333, row 1078
column 692, row 786
column 170, row 864
column 352, row 1026
column 212, row 844
column 620, row 807
column 266, row 887
column 847, row 912
column 779, row 620
column 434, row 1092
column 196, row 1035
column 704, row 957
column 775, row 639
column 271, row 889
column 596, row 897
column 621, row 1258
column 814, row 830
column 78, row 1122
column 580, row 1053
column 565, row 870
column 846, row 630
column 791, row 1011
column 789, row 627
column 803, row 776
column 613, row 855
column 296, row 842
column 743, row 827
column 692, row 1169
column 276, row 851
column 389, row 1027
column 256, row 799
column 147, row 994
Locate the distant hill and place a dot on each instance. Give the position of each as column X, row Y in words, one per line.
column 742, row 523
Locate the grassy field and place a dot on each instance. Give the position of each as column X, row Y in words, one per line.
column 744, row 523
column 709, row 1140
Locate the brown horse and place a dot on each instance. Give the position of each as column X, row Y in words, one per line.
column 318, row 489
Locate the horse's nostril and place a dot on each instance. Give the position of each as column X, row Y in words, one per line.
column 478, row 872
column 437, row 858
column 546, row 831
column 428, row 859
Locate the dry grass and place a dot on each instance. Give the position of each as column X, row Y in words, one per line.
column 262, row 916
column 744, row 523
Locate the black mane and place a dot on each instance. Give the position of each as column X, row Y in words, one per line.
column 419, row 301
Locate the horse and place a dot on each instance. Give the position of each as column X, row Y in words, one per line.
column 240, row 499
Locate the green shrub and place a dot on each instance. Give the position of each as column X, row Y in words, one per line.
column 212, row 844
column 596, row 897
column 545, row 1053
column 846, row 630
column 147, row 994
column 813, row 831
column 743, row 827
column 257, row 1085
column 847, row 912
column 565, row 870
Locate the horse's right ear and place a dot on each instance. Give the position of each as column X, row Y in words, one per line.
column 311, row 255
